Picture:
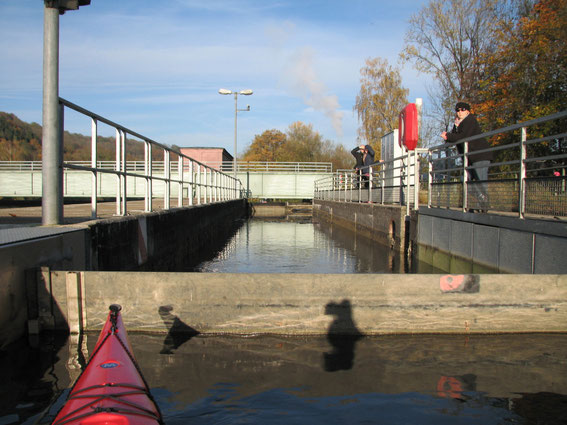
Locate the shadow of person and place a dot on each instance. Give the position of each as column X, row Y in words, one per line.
column 178, row 331
column 342, row 336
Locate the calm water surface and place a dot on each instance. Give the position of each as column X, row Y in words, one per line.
column 281, row 246
column 504, row 379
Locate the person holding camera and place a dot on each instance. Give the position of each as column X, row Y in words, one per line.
column 364, row 155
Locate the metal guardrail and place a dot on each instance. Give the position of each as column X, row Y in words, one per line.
column 25, row 179
column 526, row 176
column 274, row 167
column 385, row 182
column 159, row 166
column 206, row 184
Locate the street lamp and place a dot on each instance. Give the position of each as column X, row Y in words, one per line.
column 236, row 93
column 52, row 145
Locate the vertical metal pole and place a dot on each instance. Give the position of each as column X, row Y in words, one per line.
column 150, row 180
column 52, row 172
column 235, row 125
column 167, row 176
column 191, row 182
column 215, row 179
column 123, row 177
column 117, row 168
column 146, row 174
column 523, row 156
column 465, row 176
column 430, row 180
column 198, row 179
column 180, row 162
column 370, row 177
column 61, row 187
column 94, row 187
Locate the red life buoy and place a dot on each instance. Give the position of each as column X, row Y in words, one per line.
column 408, row 134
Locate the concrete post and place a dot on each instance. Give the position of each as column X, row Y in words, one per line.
column 52, row 174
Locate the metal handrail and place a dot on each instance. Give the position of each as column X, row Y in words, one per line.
column 520, row 179
column 242, row 166
column 206, row 184
column 273, row 166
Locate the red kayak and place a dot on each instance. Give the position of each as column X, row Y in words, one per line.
column 111, row 389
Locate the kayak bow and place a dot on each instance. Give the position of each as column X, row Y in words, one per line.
column 111, row 389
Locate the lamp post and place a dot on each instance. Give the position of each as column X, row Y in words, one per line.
column 52, row 145
column 236, row 93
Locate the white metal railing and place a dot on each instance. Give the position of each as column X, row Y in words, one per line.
column 385, row 182
column 159, row 166
column 526, row 176
column 275, row 167
column 205, row 185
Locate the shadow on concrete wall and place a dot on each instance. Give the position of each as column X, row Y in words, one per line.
column 342, row 335
column 178, row 331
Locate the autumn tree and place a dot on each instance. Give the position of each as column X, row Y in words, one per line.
column 448, row 40
column 300, row 143
column 266, row 147
column 303, row 143
column 526, row 78
column 379, row 102
column 340, row 157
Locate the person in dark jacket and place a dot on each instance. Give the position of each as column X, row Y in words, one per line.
column 465, row 126
column 364, row 155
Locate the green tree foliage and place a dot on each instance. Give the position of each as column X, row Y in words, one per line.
column 379, row 102
column 19, row 141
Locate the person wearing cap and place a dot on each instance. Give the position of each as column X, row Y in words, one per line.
column 364, row 155
column 465, row 126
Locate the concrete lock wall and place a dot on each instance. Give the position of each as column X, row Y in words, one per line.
column 157, row 240
column 18, row 274
column 161, row 240
column 504, row 244
column 383, row 223
column 368, row 304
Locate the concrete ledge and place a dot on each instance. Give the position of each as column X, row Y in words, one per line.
column 367, row 304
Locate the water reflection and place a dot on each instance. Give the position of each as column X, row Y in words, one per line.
column 342, row 336
column 282, row 246
column 454, row 387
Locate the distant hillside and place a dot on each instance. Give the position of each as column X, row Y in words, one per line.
column 21, row 141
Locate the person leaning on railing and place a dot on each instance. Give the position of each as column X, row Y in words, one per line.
column 465, row 126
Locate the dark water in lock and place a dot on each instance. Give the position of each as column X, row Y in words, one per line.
column 419, row 379
column 390, row 380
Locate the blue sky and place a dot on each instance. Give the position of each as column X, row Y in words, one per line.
column 156, row 66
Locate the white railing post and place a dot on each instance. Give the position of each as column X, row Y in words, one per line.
column 180, row 178
column 94, row 180
column 523, row 156
column 117, row 168
column 123, row 175
column 465, row 176
column 167, row 181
